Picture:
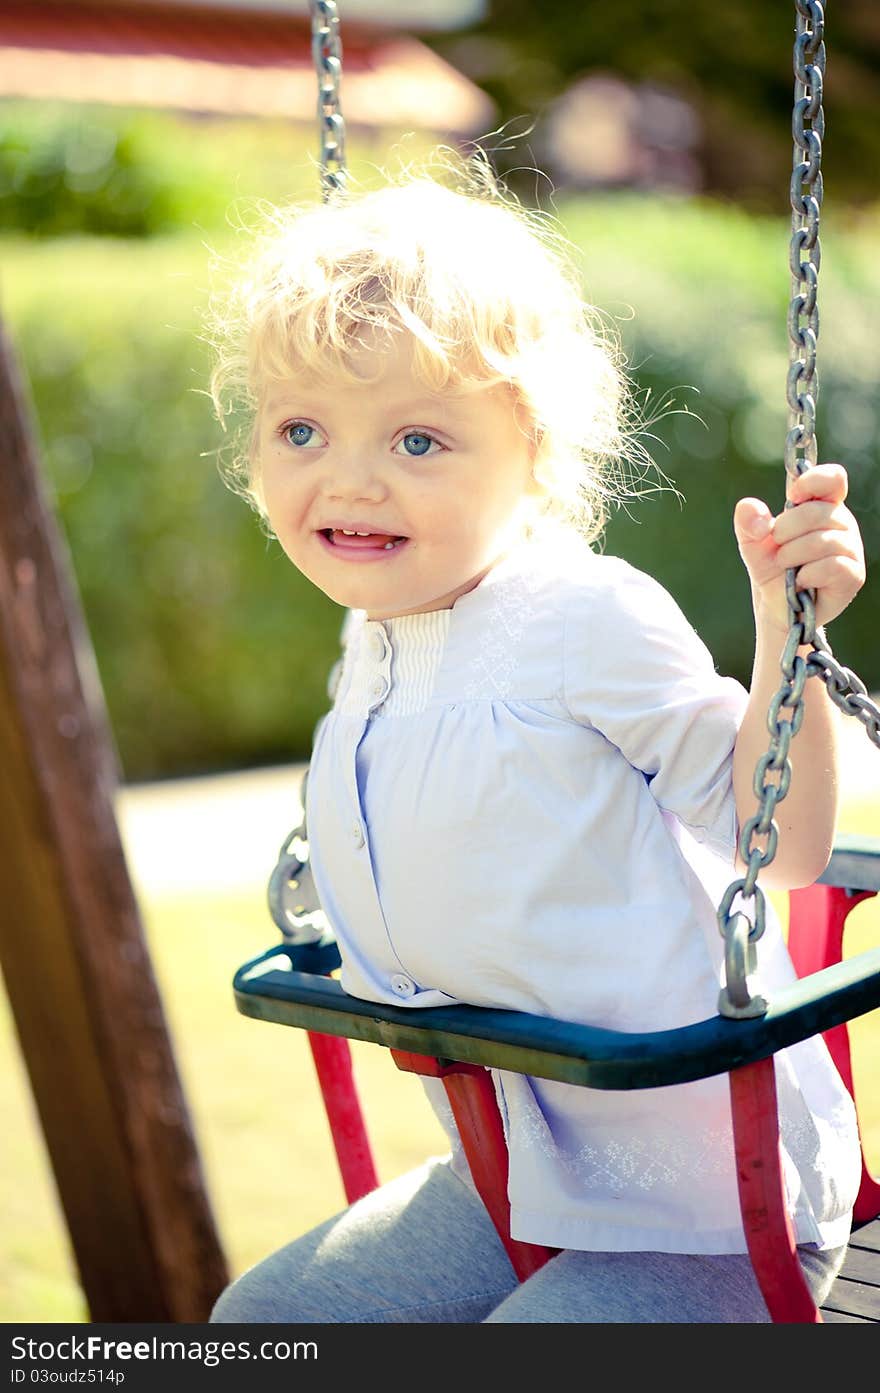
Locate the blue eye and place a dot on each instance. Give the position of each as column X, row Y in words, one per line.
column 417, row 444
column 298, row 433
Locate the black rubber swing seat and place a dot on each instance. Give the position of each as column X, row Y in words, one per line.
column 579, row 1054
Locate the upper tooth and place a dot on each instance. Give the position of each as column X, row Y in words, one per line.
column 346, row 533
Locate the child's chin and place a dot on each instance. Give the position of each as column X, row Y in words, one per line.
column 375, row 599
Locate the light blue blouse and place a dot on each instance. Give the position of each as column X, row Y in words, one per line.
column 526, row 801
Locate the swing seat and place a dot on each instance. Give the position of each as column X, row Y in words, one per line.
column 291, row 985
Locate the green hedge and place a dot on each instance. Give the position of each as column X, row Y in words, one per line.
column 213, row 652
column 130, row 172
column 708, row 289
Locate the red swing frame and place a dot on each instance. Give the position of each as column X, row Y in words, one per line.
column 815, row 940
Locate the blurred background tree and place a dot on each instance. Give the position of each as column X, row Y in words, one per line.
column 666, row 131
column 730, row 64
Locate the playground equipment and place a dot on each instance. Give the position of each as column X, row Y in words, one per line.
column 291, row 983
column 72, row 947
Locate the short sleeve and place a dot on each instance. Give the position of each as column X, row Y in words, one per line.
column 637, row 672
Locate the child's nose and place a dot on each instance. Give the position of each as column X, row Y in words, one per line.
column 356, row 477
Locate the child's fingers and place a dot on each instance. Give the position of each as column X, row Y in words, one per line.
column 829, row 561
column 818, row 539
column 826, row 481
column 814, row 516
column 817, row 545
column 753, row 522
column 830, row 576
column 753, row 526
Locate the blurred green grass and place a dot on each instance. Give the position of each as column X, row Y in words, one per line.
column 268, row 1161
column 269, row 1165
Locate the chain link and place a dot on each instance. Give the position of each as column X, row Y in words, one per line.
column 846, row 690
column 808, row 129
column 327, row 57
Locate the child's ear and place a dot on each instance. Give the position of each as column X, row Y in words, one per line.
column 527, row 425
column 254, row 475
column 537, row 440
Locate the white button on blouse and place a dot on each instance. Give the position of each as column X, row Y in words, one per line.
column 402, row 986
column 549, row 824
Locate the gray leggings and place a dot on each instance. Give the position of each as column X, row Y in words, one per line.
column 422, row 1249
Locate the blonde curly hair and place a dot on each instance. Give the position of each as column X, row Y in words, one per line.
column 488, row 291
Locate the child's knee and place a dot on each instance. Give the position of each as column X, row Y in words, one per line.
column 247, row 1301
column 272, row 1292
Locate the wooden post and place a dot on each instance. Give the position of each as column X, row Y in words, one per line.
column 72, row 946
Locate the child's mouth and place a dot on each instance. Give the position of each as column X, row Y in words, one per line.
column 360, row 545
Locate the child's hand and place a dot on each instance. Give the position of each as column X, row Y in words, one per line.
column 820, row 538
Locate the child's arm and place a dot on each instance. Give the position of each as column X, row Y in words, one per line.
column 820, row 538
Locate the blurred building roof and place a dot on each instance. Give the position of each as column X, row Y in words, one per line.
column 241, row 58
column 407, row 14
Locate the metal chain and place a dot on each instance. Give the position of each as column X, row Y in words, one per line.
column 773, row 770
column 327, row 57
column 291, row 894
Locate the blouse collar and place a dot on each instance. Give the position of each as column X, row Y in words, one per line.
column 512, row 561
column 393, row 663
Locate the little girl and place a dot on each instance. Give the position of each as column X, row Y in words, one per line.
column 527, row 792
